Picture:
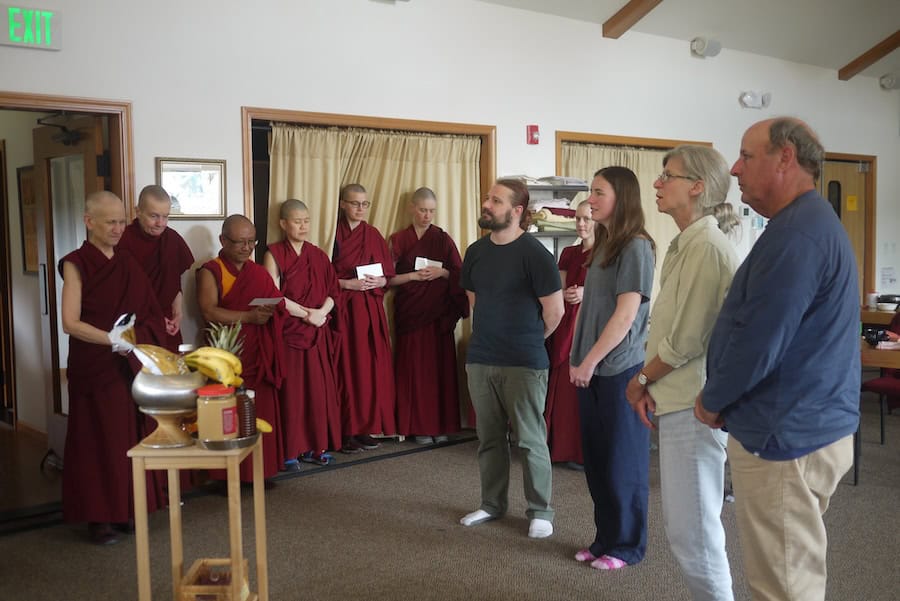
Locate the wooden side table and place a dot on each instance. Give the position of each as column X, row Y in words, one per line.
column 173, row 460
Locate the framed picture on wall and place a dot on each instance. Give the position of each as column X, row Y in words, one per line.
column 28, row 218
column 197, row 187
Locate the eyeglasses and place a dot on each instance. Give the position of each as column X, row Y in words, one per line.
column 359, row 205
column 666, row 176
column 247, row 243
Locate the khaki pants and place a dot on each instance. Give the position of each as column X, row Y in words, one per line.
column 779, row 508
column 511, row 398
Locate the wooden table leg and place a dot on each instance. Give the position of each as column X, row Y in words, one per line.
column 234, row 527
column 175, row 532
column 141, row 536
column 259, row 523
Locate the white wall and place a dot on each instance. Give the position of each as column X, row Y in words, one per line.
column 15, row 128
column 188, row 67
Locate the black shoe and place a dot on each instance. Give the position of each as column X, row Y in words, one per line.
column 124, row 527
column 352, row 446
column 100, row 533
column 367, row 442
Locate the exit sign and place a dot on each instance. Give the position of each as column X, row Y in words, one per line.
column 31, row 27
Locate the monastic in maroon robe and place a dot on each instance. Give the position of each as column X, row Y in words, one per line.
column 164, row 258
column 425, row 315
column 261, row 355
column 365, row 365
column 561, row 412
column 104, row 422
column 310, row 406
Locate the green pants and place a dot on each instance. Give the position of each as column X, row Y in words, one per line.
column 504, row 398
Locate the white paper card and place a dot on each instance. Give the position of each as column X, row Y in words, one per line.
column 265, row 301
column 422, row 263
column 373, row 269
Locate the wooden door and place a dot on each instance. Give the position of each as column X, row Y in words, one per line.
column 843, row 183
column 66, row 171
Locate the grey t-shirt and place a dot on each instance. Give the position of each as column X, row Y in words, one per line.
column 631, row 272
column 508, row 280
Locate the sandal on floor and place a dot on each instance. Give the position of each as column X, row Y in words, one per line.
column 320, row 458
column 585, row 555
column 608, row 562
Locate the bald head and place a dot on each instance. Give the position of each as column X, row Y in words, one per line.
column 104, row 217
column 291, row 205
column 238, row 239
column 97, row 202
column 234, row 222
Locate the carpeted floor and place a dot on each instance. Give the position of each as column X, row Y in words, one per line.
column 388, row 529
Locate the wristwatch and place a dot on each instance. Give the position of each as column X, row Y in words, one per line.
column 642, row 379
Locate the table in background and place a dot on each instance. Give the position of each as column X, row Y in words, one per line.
column 173, row 460
column 875, row 318
column 871, row 357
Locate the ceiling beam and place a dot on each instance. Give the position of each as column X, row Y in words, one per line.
column 870, row 56
column 627, row 16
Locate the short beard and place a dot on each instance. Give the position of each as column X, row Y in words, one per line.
column 487, row 222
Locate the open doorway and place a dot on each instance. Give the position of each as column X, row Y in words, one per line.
column 33, row 381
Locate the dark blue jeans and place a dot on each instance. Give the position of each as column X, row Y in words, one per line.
column 616, row 464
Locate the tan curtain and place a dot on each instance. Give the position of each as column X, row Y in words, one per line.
column 312, row 163
column 583, row 160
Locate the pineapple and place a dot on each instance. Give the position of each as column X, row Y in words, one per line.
column 226, row 336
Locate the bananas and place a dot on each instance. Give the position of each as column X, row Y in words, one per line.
column 216, row 364
column 160, row 361
column 211, row 351
column 263, row 426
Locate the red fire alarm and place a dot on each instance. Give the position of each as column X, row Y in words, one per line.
column 532, row 134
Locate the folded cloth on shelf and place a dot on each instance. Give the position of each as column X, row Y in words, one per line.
column 555, row 226
column 561, row 212
column 546, row 214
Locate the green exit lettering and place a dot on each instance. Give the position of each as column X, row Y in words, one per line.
column 31, row 27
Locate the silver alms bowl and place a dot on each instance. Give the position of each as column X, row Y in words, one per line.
column 155, row 392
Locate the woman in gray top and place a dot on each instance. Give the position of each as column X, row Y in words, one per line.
column 607, row 350
column 695, row 277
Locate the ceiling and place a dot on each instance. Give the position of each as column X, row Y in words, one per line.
column 824, row 33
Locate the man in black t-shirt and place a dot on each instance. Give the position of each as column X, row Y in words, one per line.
column 516, row 284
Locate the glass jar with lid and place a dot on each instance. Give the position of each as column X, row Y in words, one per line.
column 217, row 417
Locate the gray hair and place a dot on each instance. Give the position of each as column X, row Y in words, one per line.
column 707, row 164
column 810, row 152
column 292, row 204
column 155, row 192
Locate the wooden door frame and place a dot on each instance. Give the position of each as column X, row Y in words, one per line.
column 487, row 133
column 608, row 140
column 9, row 345
column 870, row 203
column 121, row 143
column 121, row 152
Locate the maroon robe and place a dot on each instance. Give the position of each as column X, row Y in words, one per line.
column 310, row 406
column 561, row 412
column 261, row 355
column 365, row 366
column 104, row 422
column 164, row 258
column 425, row 315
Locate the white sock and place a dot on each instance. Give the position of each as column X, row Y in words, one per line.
column 476, row 517
column 540, row 528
